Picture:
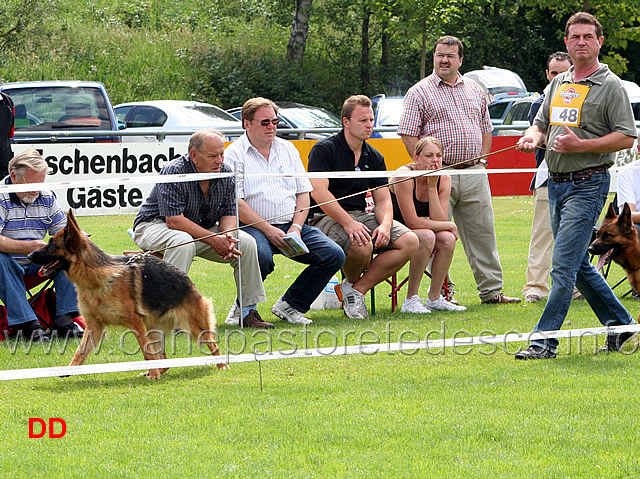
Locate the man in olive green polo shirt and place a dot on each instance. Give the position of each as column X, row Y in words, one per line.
column 586, row 117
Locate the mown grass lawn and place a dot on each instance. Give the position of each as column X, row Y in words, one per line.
column 466, row 412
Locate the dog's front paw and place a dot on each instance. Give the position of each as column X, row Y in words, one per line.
column 151, row 374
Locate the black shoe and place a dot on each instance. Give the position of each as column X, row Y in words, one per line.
column 65, row 326
column 32, row 331
column 535, row 352
column 615, row 341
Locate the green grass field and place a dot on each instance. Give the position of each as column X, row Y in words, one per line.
column 469, row 412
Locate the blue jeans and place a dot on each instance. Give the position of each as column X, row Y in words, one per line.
column 13, row 293
column 575, row 207
column 325, row 258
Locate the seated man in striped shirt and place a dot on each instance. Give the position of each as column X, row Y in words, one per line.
column 276, row 206
column 25, row 219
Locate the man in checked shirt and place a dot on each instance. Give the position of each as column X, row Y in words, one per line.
column 175, row 214
column 454, row 110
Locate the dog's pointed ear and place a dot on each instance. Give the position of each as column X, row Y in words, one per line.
column 611, row 212
column 624, row 220
column 72, row 233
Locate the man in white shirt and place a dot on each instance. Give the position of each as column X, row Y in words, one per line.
column 629, row 189
column 277, row 205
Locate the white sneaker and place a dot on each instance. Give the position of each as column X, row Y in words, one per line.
column 442, row 304
column 352, row 300
column 233, row 318
column 414, row 304
column 284, row 310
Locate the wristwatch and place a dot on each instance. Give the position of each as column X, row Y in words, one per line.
column 297, row 226
column 484, row 162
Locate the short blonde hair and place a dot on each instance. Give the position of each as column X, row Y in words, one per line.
column 350, row 104
column 427, row 140
column 27, row 160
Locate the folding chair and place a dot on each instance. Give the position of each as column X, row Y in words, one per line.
column 395, row 287
column 31, row 282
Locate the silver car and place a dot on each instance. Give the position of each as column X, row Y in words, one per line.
column 174, row 116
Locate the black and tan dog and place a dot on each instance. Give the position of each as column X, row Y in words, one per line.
column 617, row 240
column 149, row 296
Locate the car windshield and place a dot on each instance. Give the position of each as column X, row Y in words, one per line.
column 202, row 115
column 496, row 110
column 390, row 111
column 54, row 108
column 310, row 118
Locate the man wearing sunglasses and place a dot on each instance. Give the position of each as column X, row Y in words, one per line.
column 175, row 214
column 275, row 205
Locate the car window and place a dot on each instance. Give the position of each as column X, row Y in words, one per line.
column 121, row 112
column 636, row 110
column 496, row 110
column 310, row 118
column 518, row 112
column 51, row 108
column 145, row 116
column 522, row 112
column 212, row 112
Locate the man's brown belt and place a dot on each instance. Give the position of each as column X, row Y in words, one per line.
column 576, row 175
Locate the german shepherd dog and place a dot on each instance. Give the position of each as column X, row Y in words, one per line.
column 617, row 240
column 147, row 295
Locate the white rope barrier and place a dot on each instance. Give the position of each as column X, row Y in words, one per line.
column 368, row 349
column 145, row 180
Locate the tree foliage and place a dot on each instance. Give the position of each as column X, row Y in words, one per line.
column 224, row 51
column 24, row 20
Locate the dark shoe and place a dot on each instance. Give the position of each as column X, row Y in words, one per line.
column 32, row 331
column 615, row 341
column 253, row 320
column 535, row 352
column 65, row 326
column 501, row 298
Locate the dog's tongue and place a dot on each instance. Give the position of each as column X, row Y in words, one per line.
column 45, row 270
column 602, row 260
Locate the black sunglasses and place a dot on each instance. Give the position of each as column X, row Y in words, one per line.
column 266, row 122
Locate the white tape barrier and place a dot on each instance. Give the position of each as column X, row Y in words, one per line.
column 153, row 179
column 369, row 349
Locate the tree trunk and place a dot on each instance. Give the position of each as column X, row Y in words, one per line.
column 364, row 57
column 299, row 31
column 423, row 53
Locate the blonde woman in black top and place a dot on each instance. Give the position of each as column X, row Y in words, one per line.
column 422, row 204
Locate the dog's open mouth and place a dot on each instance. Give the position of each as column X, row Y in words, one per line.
column 50, row 269
column 606, row 258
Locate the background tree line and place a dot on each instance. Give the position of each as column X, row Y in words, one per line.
column 312, row 51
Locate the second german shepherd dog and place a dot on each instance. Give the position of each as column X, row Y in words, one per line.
column 617, row 240
column 148, row 295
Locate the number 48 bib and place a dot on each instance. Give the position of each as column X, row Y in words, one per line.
column 566, row 105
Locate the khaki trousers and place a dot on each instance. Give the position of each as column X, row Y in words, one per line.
column 156, row 235
column 471, row 209
column 540, row 246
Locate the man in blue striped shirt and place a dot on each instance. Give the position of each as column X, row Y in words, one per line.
column 25, row 219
